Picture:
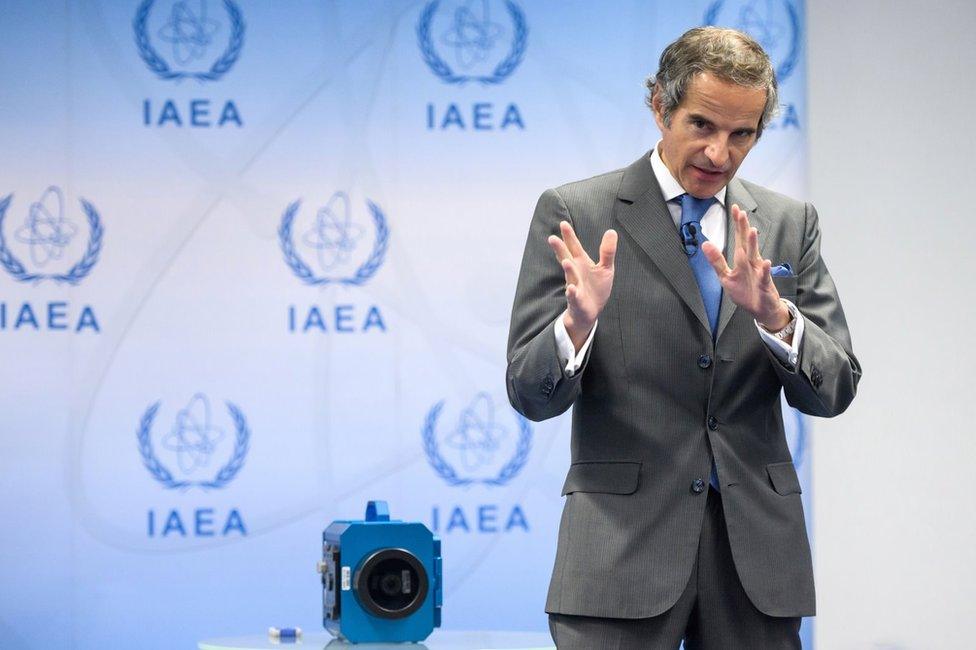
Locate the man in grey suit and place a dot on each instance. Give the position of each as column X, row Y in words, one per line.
column 683, row 518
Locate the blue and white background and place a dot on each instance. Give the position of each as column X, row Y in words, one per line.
column 257, row 265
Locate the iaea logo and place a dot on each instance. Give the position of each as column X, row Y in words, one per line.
column 189, row 39
column 472, row 40
column 480, row 447
column 50, row 242
column 205, row 452
column 775, row 24
column 333, row 242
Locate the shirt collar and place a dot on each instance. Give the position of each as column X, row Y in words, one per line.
column 670, row 187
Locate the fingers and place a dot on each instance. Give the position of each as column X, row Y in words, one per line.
column 571, row 294
column 575, row 302
column 767, row 277
column 741, row 228
column 572, row 242
column 572, row 273
column 747, row 237
column 558, row 247
column 574, row 260
column 753, row 246
column 716, row 259
column 565, row 260
column 608, row 249
column 569, row 246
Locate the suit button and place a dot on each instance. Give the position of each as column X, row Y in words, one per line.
column 704, row 361
column 698, row 486
column 712, row 423
column 816, row 376
column 547, row 386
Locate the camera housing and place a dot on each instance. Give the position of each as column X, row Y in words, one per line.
column 381, row 578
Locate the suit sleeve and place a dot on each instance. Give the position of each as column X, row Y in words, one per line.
column 539, row 386
column 825, row 381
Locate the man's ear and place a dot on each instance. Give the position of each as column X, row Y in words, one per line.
column 657, row 108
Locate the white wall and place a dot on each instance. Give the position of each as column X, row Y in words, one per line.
column 892, row 174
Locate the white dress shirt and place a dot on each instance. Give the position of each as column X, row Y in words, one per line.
column 713, row 225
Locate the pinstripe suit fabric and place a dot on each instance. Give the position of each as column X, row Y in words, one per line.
column 713, row 612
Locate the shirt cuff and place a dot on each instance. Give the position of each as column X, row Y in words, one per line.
column 567, row 352
column 787, row 354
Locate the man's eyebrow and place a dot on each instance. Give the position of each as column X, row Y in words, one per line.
column 695, row 117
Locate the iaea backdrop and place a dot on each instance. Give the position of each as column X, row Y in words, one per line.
column 256, row 267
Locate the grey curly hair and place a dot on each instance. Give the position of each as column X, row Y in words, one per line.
column 726, row 53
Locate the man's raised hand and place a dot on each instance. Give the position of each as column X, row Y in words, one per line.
column 750, row 283
column 588, row 283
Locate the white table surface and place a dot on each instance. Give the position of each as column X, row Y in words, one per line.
column 439, row 640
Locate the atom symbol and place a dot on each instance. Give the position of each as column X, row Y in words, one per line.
column 760, row 25
column 334, row 235
column 471, row 37
column 477, row 435
column 193, row 438
column 46, row 230
column 190, row 33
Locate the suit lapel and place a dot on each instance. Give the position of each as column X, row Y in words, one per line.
column 645, row 217
column 737, row 194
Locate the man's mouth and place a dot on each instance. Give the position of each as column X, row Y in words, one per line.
column 709, row 173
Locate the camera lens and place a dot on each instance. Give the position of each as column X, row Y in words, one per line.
column 392, row 583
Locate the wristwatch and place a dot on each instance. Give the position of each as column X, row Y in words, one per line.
column 790, row 327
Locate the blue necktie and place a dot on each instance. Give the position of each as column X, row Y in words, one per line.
column 692, row 237
column 692, row 211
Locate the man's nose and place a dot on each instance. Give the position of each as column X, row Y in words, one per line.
column 718, row 152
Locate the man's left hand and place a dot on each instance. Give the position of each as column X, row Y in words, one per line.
column 749, row 284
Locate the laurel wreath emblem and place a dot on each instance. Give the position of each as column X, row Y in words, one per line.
column 159, row 65
column 162, row 474
column 76, row 273
column 447, row 472
column 365, row 271
column 441, row 68
column 789, row 62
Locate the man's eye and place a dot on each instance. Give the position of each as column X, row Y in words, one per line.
column 698, row 124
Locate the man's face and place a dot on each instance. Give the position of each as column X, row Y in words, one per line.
column 711, row 132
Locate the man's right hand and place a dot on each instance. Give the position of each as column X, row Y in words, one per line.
column 588, row 284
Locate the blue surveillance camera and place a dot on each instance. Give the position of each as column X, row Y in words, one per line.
column 381, row 579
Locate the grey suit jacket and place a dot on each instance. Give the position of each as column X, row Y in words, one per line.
column 655, row 398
